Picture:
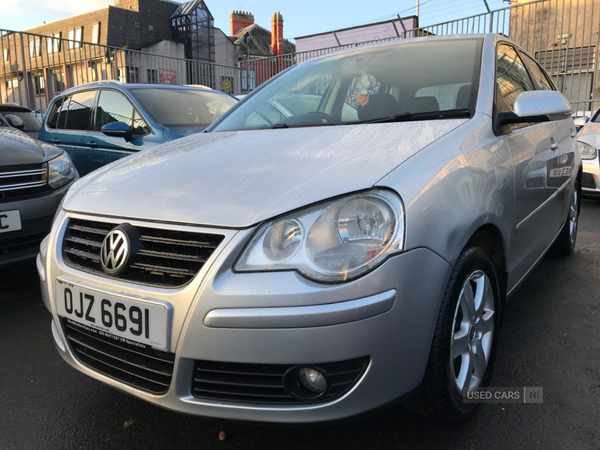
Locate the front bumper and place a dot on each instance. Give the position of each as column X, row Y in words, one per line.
column 281, row 318
column 590, row 184
column 36, row 220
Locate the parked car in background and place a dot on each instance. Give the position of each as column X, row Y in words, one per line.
column 20, row 118
column 34, row 178
column 588, row 143
column 318, row 264
column 98, row 123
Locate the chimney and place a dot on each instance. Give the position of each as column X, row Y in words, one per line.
column 239, row 20
column 277, row 34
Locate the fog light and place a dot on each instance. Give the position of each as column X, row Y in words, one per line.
column 313, row 380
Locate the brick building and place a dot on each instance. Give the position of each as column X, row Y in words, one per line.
column 91, row 46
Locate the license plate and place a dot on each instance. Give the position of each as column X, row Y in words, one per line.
column 560, row 172
column 10, row 221
column 129, row 321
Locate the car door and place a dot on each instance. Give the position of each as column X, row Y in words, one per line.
column 532, row 151
column 113, row 106
column 70, row 128
column 561, row 167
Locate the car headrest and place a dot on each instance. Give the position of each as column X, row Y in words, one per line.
column 378, row 107
column 463, row 96
column 423, row 104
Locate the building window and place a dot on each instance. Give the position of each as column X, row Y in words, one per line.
column 12, row 84
column 152, row 76
column 96, row 33
column 78, row 36
column 40, row 85
column 130, row 75
column 251, row 79
column 71, row 37
column 6, row 55
column 54, row 43
column 34, row 48
column 56, row 40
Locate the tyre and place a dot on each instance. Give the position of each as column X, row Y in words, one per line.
column 565, row 242
column 464, row 342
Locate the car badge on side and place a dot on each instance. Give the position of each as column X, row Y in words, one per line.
column 114, row 253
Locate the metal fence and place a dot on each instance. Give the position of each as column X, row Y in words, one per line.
column 35, row 68
column 563, row 35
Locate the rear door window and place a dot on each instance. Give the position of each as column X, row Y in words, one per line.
column 79, row 116
column 52, row 120
column 63, row 109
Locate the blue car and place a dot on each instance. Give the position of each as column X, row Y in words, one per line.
column 98, row 123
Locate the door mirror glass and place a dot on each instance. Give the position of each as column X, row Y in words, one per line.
column 15, row 121
column 117, row 129
column 537, row 106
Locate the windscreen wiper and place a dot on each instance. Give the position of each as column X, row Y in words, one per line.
column 428, row 115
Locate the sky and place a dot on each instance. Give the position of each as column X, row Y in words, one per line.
column 300, row 17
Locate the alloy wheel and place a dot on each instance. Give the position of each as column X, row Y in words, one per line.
column 472, row 332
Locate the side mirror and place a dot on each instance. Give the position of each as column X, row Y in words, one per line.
column 580, row 122
column 537, row 106
column 15, row 121
column 118, row 129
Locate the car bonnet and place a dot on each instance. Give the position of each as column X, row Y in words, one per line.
column 240, row 178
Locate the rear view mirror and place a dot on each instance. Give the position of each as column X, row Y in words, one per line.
column 15, row 121
column 117, row 129
column 537, row 106
column 580, row 122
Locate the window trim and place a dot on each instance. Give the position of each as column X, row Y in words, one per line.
column 497, row 128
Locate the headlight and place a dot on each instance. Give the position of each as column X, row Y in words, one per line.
column 60, row 171
column 334, row 241
column 586, row 151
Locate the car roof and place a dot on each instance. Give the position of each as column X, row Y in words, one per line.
column 128, row 87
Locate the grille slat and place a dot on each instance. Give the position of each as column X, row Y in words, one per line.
column 147, row 369
column 264, row 383
column 167, row 258
column 20, row 181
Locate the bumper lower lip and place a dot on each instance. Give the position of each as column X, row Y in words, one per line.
column 302, row 316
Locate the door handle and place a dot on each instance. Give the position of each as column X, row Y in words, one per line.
column 553, row 144
column 92, row 144
column 55, row 141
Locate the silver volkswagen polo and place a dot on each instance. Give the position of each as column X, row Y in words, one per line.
column 342, row 239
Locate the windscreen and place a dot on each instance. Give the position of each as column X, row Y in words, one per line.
column 31, row 123
column 366, row 85
column 183, row 107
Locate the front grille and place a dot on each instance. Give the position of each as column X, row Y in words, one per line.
column 146, row 368
column 19, row 181
column 166, row 258
column 264, row 383
column 587, row 181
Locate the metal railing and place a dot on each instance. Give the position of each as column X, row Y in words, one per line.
column 563, row 35
column 34, row 68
